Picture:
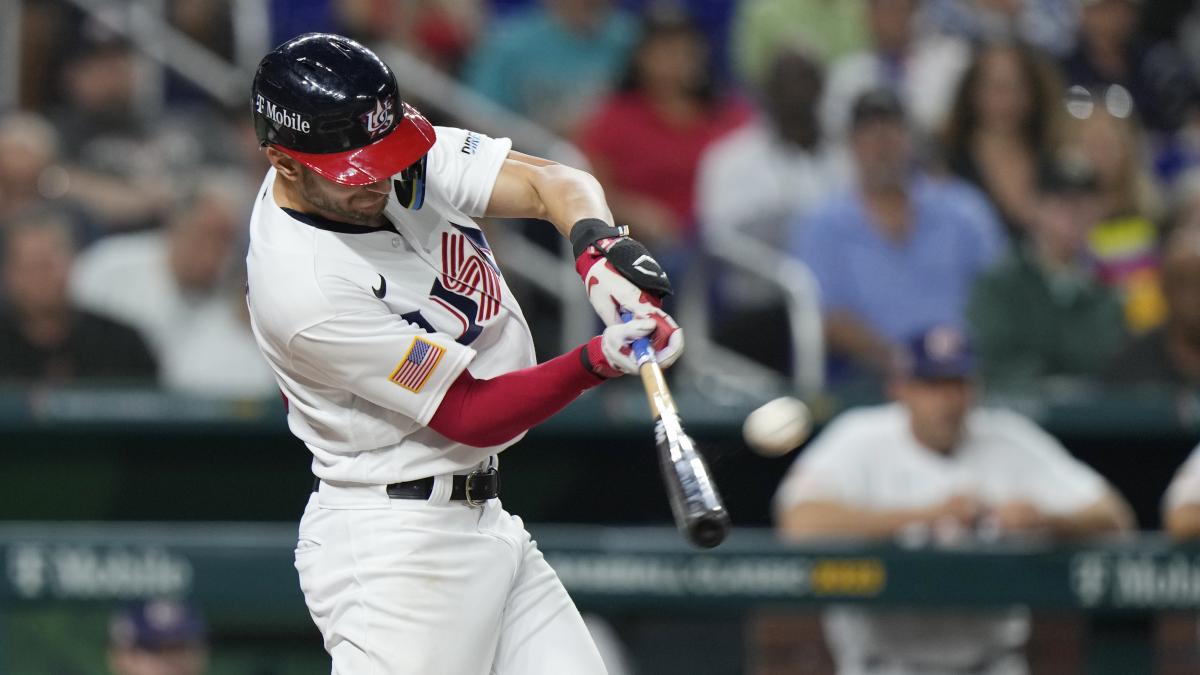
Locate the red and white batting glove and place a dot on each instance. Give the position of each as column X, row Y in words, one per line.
column 610, row 355
column 620, row 274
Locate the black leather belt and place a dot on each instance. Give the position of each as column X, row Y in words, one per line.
column 473, row 488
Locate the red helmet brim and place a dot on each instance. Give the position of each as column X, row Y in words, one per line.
column 407, row 142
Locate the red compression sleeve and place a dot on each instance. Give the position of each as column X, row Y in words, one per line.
column 483, row 413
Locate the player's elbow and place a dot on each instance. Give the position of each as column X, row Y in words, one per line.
column 561, row 175
column 802, row 522
column 1121, row 516
column 557, row 183
column 1109, row 514
column 1183, row 522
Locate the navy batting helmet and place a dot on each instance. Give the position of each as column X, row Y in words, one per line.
column 333, row 105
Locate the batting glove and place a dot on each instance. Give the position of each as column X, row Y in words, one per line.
column 610, row 354
column 620, row 274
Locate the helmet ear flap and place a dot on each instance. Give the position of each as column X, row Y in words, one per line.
column 410, row 185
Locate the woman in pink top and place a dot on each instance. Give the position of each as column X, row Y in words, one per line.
column 645, row 141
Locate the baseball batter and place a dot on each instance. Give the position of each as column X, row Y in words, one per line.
column 408, row 367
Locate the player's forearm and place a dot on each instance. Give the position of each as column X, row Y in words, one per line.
column 483, row 413
column 1183, row 522
column 1109, row 514
column 533, row 187
column 817, row 520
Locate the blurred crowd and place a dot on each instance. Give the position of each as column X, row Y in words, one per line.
column 1025, row 170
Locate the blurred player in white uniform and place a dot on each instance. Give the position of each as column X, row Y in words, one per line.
column 928, row 465
column 407, row 365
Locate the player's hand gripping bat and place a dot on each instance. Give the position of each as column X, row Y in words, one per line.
column 699, row 511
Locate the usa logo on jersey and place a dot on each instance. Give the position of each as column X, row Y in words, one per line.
column 469, row 284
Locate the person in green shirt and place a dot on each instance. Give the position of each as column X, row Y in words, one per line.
column 827, row 28
column 1043, row 312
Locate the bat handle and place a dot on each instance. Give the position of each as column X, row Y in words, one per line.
column 641, row 346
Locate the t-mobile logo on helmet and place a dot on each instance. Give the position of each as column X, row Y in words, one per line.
column 280, row 115
column 380, row 119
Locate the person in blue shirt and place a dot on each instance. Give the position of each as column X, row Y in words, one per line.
column 551, row 63
column 897, row 251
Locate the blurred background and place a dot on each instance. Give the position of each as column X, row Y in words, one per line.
column 823, row 179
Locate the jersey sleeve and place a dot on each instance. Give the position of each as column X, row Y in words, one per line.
column 1053, row 478
column 378, row 356
column 463, row 166
column 1185, row 486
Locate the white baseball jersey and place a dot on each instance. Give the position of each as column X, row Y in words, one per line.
column 1185, row 485
column 869, row 458
column 366, row 328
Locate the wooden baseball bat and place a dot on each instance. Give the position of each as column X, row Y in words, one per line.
column 699, row 512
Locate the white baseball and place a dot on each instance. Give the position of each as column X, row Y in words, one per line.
column 777, row 427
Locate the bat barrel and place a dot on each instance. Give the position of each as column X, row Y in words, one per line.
column 699, row 513
column 710, row 530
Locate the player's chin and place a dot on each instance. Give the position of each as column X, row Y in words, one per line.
column 364, row 210
column 370, row 206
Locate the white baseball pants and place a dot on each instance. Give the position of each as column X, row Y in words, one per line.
column 407, row 586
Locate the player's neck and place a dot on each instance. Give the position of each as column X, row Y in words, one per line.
column 287, row 197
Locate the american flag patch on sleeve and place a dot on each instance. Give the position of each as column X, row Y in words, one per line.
column 418, row 364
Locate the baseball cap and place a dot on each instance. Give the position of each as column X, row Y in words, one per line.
column 334, row 106
column 1067, row 176
column 876, row 104
column 157, row 624
column 939, row 353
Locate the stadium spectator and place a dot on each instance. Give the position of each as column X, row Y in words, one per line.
column 159, row 637
column 119, row 173
column 33, row 174
column 751, row 183
column 645, row 142
column 1044, row 311
column 1048, row 25
column 28, row 149
column 181, row 288
column 43, row 336
column 930, row 467
column 100, row 122
column 553, row 63
column 829, row 29
column 899, row 251
column 1109, row 50
column 1124, row 243
column 1185, row 200
column 924, row 69
column 1170, row 355
column 1003, row 124
column 439, row 32
column 757, row 177
column 1189, row 33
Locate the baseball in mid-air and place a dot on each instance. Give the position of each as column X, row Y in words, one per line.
column 777, row 427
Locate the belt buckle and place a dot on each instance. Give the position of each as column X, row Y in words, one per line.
column 469, row 484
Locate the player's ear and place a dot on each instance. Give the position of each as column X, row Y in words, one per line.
column 284, row 166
